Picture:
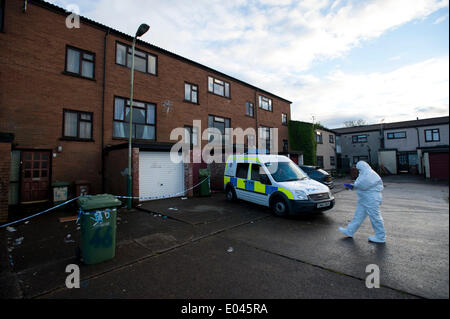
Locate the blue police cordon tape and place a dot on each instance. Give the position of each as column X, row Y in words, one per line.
column 165, row 196
column 40, row 213
column 73, row 199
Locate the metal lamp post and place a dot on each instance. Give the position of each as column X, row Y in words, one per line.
column 143, row 28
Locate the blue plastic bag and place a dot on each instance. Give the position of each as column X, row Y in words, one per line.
column 349, row 186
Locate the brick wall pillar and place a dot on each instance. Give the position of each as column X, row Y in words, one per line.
column 188, row 176
column 5, row 169
column 135, row 170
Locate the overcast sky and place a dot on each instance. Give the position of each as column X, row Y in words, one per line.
column 335, row 60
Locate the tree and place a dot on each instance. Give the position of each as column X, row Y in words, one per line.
column 355, row 123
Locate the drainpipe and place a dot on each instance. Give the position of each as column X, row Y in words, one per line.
column 103, row 110
column 256, row 106
column 419, row 159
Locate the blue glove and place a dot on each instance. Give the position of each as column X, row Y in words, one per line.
column 349, row 186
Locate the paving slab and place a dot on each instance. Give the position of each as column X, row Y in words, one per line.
column 205, row 269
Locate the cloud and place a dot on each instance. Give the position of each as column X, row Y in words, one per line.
column 441, row 19
column 275, row 45
column 395, row 96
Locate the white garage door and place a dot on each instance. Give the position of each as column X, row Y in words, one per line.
column 159, row 176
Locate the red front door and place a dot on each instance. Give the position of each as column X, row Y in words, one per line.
column 35, row 176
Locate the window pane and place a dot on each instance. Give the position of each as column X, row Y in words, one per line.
column 218, row 89
column 140, row 64
column 227, row 89
column 194, row 96
column 145, row 132
column 85, row 129
column 139, row 116
column 121, row 54
column 88, row 56
column 87, row 69
column 119, row 109
column 428, row 135
column 73, row 61
column 187, row 92
column 151, row 64
column 85, row 116
column 139, row 53
column 194, row 136
column 187, row 134
column 150, row 114
column 120, row 129
column 210, row 84
column 435, row 136
column 70, row 124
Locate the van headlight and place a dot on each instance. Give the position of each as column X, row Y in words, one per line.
column 301, row 195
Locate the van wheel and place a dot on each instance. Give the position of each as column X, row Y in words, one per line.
column 279, row 207
column 230, row 194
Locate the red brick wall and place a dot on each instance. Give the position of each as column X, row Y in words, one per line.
column 116, row 162
column 34, row 91
column 169, row 85
column 5, row 162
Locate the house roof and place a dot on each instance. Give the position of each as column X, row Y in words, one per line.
column 93, row 23
column 393, row 125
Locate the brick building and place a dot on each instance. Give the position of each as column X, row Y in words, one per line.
column 63, row 105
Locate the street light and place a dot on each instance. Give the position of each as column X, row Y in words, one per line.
column 143, row 28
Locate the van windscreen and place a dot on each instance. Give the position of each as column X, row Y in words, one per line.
column 285, row 171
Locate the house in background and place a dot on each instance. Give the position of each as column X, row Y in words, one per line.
column 359, row 143
column 326, row 148
column 415, row 147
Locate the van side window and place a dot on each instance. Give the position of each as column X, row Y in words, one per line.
column 255, row 175
column 242, row 170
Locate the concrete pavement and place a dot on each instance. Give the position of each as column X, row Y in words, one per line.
column 208, row 248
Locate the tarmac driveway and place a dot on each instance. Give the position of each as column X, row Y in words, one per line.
column 209, row 248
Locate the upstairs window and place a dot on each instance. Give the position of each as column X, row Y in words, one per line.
column 331, row 139
column 144, row 119
column 265, row 136
column 265, row 103
column 80, row 62
column 191, row 135
column 191, row 93
column 143, row 61
column 249, row 109
column 77, row 125
column 284, row 119
column 432, row 135
column 218, row 87
column 396, row 135
column 319, row 139
column 359, row 139
column 221, row 124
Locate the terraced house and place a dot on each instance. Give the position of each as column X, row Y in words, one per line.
column 64, row 104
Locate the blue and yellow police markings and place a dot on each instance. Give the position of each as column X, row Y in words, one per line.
column 255, row 186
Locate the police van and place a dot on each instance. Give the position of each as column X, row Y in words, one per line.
column 274, row 181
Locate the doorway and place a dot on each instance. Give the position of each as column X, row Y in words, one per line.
column 35, row 179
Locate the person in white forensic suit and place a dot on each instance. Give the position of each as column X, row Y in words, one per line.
column 368, row 186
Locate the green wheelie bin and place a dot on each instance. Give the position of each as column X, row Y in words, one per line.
column 97, row 218
column 205, row 189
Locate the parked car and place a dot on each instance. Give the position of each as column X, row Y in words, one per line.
column 274, row 181
column 318, row 174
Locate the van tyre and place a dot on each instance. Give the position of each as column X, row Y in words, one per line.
column 230, row 194
column 279, row 207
